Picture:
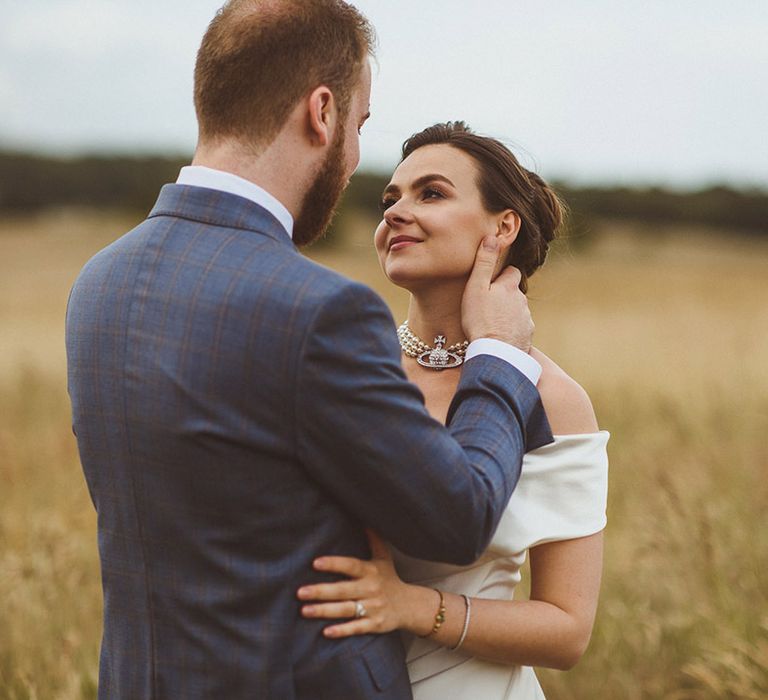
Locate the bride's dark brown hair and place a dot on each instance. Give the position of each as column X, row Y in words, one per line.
column 504, row 184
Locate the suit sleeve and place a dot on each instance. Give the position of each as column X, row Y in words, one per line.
column 363, row 432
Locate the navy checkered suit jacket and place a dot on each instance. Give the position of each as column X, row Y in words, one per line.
column 240, row 410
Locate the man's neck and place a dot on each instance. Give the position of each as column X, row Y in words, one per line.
column 275, row 169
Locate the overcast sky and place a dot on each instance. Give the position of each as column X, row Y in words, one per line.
column 667, row 91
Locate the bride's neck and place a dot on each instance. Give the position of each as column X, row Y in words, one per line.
column 437, row 311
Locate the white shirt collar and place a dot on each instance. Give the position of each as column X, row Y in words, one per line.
column 201, row 176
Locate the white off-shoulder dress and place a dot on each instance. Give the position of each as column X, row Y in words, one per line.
column 561, row 495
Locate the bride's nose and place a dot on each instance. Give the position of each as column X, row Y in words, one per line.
column 398, row 213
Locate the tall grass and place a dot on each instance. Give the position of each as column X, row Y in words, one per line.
column 684, row 610
column 50, row 595
column 667, row 331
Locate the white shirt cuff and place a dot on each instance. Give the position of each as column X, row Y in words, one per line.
column 515, row 356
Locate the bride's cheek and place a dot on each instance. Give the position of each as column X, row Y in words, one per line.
column 378, row 238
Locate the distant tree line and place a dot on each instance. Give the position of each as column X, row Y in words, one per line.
column 719, row 206
column 30, row 183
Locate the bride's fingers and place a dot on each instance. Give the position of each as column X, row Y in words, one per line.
column 330, row 611
column 341, row 590
column 349, row 629
column 356, row 568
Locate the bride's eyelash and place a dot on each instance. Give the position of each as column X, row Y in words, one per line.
column 429, row 192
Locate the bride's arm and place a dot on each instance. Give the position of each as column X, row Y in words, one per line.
column 552, row 629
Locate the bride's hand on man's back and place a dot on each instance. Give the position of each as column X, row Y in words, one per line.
column 373, row 583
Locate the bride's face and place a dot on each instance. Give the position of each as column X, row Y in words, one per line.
column 434, row 218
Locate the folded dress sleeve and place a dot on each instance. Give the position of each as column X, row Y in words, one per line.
column 561, row 495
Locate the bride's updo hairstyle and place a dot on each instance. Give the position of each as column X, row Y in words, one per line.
column 504, row 184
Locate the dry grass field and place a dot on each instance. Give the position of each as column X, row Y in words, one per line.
column 668, row 331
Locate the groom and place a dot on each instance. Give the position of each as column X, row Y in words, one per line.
column 240, row 410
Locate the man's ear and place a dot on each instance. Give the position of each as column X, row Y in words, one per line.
column 322, row 116
column 508, row 226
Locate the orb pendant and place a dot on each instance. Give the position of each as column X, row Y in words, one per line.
column 439, row 358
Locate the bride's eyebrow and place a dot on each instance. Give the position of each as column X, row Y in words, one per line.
column 420, row 182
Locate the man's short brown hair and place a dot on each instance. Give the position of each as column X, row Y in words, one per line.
column 260, row 57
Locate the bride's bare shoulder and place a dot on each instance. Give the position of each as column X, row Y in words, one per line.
column 567, row 405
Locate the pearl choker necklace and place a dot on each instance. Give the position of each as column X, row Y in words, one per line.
column 438, row 357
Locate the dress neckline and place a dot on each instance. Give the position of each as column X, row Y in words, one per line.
column 583, row 436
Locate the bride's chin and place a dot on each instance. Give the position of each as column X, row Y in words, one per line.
column 405, row 279
column 414, row 280
column 403, row 275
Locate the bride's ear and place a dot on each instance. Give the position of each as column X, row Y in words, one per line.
column 508, row 226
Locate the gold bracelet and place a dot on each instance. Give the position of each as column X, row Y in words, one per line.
column 439, row 615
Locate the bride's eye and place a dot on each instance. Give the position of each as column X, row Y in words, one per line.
column 432, row 193
column 386, row 203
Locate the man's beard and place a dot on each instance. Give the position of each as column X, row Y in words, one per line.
column 322, row 197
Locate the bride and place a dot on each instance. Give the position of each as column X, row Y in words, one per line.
column 465, row 635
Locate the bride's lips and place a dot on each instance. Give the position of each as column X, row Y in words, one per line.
column 399, row 242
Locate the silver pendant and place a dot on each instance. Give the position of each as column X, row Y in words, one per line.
column 439, row 358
